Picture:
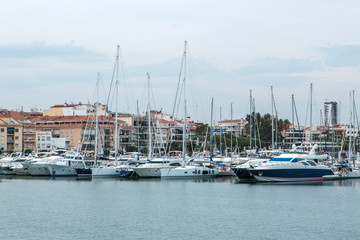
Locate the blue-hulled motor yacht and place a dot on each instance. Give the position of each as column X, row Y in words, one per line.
column 294, row 170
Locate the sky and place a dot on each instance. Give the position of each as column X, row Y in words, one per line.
column 52, row 51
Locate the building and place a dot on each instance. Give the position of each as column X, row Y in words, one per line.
column 76, row 110
column 78, row 131
column 236, row 126
column 294, row 136
column 331, row 110
column 16, row 132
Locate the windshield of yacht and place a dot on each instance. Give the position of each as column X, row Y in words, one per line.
column 312, row 163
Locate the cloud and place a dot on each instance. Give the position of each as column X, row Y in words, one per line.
column 41, row 49
column 341, row 55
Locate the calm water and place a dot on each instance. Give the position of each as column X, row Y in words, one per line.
column 63, row 208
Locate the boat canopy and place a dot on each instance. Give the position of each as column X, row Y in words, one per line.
column 285, row 159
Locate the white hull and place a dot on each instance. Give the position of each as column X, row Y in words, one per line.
column 151, row 170
column 38, row 170
column 61, row 170
column 20, row 171
column 105, row 172
column 148, row 172
column 272, row 179
column 189, row 172
column 6, row 170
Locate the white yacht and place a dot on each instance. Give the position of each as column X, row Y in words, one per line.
column 6, row 163
column 66, row 166
column 39, row 166
column 152, row 168
column 105, row 171
column 190, row 171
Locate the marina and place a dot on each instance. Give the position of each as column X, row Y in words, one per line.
column 177, row 120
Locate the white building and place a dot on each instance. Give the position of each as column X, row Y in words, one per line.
column 45, row 142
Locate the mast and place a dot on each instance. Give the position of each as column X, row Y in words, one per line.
column 149, row 118
column 221, row 152
column 97, row 118
column 293, row 117
column 310, row 112
column 211, row 129
column 184, row 121
column 354, row 124
column 231, row 133
column 138, row 131
column 116, row 104
column 255, row 124
column 272, row 119
column 250, row 130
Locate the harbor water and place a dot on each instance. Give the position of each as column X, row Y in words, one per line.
column 221, row 208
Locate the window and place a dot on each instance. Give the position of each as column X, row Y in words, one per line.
column 311, row 163
column 2, row 130
column 16, row 145
column 16, row 137
column 16, row 130
column 2, row 138
column 67, row 132
column 72, row 131
column 48, row 139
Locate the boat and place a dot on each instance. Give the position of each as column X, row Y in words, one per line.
column 13, row 164
column 107, row 169
column 152, row 169
column 241, row 170
column 38, row 166
column 66, row 166
column 190, row 171
column 294, row 170
column 242, row 173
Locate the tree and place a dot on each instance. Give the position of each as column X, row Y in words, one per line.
column 131, row 149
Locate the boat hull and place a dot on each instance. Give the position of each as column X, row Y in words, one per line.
column 290, row 175
column 243, row 174
column 189, row 172
column 105, row 172
column 38, row 170
column 61, row 170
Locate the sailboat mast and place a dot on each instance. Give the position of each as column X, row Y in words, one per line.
column 116, row 104
column 138, row 127
column 149, row 118
column 97, row 118
column 255, row 123
column 293, row 118
column 211, row 129
column 220, row 129
column 231, row 133
column 184, row 121
column 272, row 119
column 310, row 112
column 250, row 130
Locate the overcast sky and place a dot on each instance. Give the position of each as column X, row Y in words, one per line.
column 51, row 52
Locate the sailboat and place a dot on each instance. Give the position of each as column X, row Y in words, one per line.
column 190, row 169
column 151, row 169
column 108, row 170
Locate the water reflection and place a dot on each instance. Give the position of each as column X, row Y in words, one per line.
column 228, row 179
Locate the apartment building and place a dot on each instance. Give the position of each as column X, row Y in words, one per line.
column 16, row 132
